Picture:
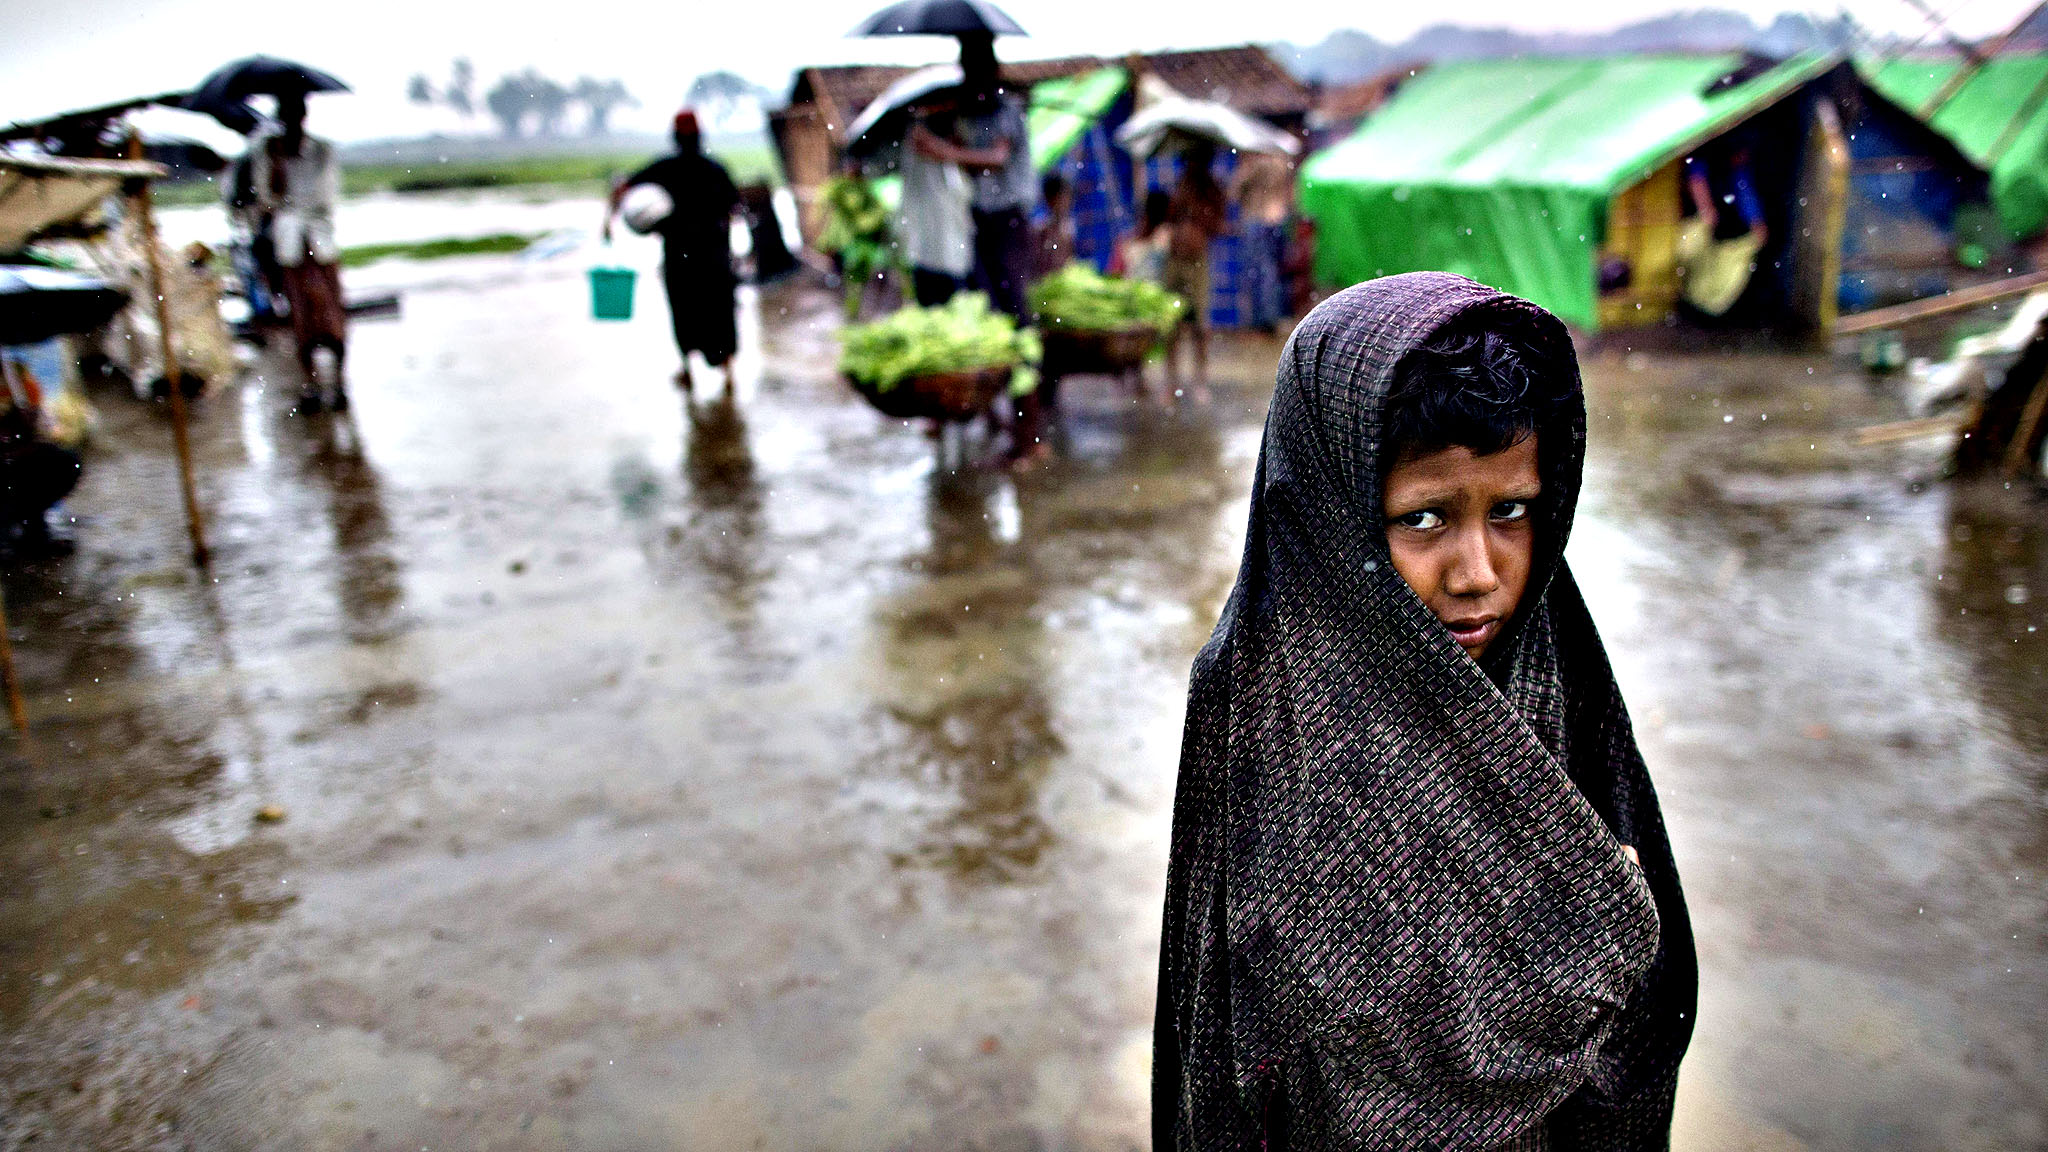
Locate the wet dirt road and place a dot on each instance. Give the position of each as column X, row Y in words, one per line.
column 727, row 776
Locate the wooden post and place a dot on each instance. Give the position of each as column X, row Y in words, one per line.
column 173, row 376
column 2018, row 459
column 1977, row 59
column 8, row 681
column 1932, row 306
column 15, row 707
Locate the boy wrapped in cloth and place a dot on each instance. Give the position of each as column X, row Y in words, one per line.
column 1420, row 894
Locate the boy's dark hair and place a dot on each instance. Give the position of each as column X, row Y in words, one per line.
column 1481, row 388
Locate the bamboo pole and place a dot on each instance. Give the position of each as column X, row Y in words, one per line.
column 11, row 683
column 1971, row 58
column 1914, row 429
column 2018, row 460
column 1956, row 301
column 15, row 707
column 145, row 215
column 1977, row 59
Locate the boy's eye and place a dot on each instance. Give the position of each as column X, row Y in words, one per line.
column 1511, row 510
column 1421, row 521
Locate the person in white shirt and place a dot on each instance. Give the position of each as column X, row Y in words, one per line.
column 296, row 179
column 934, row 224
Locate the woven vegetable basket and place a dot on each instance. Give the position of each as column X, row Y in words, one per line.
column 951, row 396
column 1112, row 350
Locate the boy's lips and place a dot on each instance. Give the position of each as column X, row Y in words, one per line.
column 1475, row 631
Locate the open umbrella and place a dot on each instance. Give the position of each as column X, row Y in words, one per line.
column 940, row 18
column 1175, row 121
column 224, row 94
column 38, row 303
column 177, row 124
column 886, row 119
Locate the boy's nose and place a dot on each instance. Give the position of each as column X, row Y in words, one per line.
column 1472, row 571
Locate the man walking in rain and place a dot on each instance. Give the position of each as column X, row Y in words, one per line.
column 696, row 247
column 295, row 180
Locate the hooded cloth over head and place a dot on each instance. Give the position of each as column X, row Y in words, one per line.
column 1398, row 913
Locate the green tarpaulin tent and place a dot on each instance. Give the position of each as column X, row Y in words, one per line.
column 1062, row 110
column 1503, row 170
column 1998, row 117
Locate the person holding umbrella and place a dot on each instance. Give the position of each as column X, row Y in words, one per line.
column 913, row 127
column 297, row 179
column 292, row 181
column 934, row 218
column 996, row 151
column 995, row 148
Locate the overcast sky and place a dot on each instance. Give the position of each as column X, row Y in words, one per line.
column 61, row 54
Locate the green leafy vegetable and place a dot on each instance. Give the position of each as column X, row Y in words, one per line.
column 1078, row 298
column 857, row 231
column 963, row 335
column 852, row 213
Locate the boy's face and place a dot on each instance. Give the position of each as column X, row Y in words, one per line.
column 1461, row 531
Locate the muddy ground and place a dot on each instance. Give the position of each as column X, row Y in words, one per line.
column 671, row 774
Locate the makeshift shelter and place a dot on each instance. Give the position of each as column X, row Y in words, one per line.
column 1072, row 126
column 1340, row 109
column 810, row 131
column 40, row 194
column 1562, row 180
column 1998, row 116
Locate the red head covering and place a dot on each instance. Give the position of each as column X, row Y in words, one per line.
column 686, row 121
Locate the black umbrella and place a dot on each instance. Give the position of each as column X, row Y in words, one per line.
column 182, row 157
column 940, row 18
column 886, row 119
column 224, row 95
column 38, row 303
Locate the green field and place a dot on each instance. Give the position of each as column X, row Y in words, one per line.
column 748, row 164
column 497, row 243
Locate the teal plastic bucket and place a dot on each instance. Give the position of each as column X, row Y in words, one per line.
column 611, row 293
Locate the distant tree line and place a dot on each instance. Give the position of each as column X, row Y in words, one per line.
column 526, row 102
column 530, row 103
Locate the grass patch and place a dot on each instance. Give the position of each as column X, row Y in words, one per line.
column 751, row 164
column 184, row 193
column 506, row 172
column 498, row 243
column 748, row 163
